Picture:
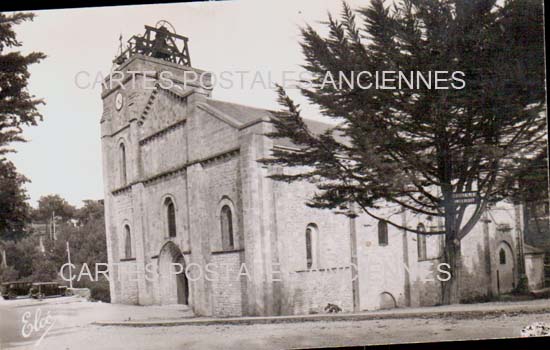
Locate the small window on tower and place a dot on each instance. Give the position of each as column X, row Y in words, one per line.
column 170, row 217
column 123, row 174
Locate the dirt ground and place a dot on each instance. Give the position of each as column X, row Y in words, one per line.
column 72, row 329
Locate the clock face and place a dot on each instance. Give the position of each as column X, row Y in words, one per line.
column 118, row 101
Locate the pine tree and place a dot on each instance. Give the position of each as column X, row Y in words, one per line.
column 417, row 146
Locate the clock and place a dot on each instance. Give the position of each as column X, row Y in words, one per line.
column 118, row 101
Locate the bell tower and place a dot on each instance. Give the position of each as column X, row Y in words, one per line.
column 152, row 90
column 160, row 42
column 156, row 61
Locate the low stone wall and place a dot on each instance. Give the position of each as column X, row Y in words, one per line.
column 80, row 292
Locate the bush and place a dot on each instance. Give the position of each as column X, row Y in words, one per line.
column 523, row 286
column 99, row 291
column 8, row 274
column 478, row 299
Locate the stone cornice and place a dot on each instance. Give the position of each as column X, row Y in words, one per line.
column 178, row 170
column 159, row 62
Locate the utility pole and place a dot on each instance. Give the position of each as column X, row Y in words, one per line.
column 54, row 236
column 70, row 269
column 354, row 260
column 406, row 274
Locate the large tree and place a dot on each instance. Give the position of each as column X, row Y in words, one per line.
column 417, row 146
column 18, row 108
column 53, row 205
column 87, row 239
column 87, row 242
column 14, row 210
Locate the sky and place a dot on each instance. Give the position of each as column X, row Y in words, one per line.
column 63, row 153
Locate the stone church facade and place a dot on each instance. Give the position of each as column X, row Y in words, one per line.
column 184, row 191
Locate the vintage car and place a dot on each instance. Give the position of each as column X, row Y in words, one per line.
column 41, row 290
column 12, row 290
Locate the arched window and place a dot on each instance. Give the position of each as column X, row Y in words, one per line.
column 309, row 247
column 123, row 175
column 127, row 242
column 312, row 246
column 382, row 232
column 502, row 256
column 170, row 217
column 226, row 224
column 421, row 242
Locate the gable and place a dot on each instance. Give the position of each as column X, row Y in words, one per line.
column 164, row 107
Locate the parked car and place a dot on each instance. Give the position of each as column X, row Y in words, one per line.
column 41, row 290
column 12, row 290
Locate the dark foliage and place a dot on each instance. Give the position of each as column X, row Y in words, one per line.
column 14, row 210
column 18, row 108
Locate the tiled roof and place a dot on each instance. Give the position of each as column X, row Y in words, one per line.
column 246, row 115
column 243, row 114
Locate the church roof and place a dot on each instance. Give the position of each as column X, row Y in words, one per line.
column 529, row 249
column 243, row 114
column 249, row 115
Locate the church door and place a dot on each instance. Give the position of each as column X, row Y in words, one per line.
column 182, row 286
column 174, row 286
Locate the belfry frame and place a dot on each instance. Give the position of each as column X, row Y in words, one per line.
column 158, row 42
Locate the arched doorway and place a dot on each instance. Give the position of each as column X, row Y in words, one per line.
column 182, row 285
column 387, row 301
column 505, row 268
column 174, row 286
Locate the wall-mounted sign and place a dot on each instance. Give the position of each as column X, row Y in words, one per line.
column 465, row 198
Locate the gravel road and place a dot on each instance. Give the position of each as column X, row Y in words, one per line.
column 72, row 329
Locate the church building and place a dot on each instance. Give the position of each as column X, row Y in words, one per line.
column 193, row 218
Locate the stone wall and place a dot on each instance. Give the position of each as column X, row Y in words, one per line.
column 329, row 280
column 227, row 283
column 475, row 279
column 534, row 266
column 164, row 153
column 312, row 290
column 381, row 267
column 128, row 276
